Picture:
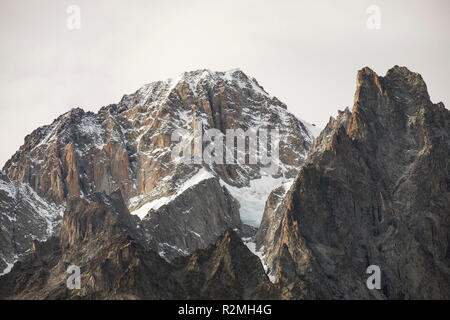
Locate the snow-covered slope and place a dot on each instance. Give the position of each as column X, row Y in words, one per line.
column 252, row 199
column 24, row 218
column 201, row 175
column 248, row 106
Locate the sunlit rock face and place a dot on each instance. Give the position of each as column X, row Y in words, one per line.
column 128, row 147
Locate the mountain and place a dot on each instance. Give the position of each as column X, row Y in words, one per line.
column 24, row 217
column 374, row 191
column 128, row 147
column 98, row 235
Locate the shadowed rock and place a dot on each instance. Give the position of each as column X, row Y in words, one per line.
column 374, row 191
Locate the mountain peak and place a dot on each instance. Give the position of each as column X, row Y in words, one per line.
column 397, row 95
column 128, row 146
column 196, row 84
column 373, row 179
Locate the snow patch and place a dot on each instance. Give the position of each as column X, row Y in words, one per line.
column 7, row 269
column 252, row 199
column 162, row 253
column 90, row 128
column 141, row 212
column 153, row 205
column 9, row 266
column 195, row 233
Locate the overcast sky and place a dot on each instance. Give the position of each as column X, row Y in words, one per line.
column 306, row 53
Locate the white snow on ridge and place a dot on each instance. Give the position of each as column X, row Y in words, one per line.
column 313, row 129
column 8, row 188
column 165, row 244
column 230, row 77
column 152, row 205
column 160, row 90
column 90, row 128
column 49, row 212
column 50, row 136
column 201, row 175
column 41, row 212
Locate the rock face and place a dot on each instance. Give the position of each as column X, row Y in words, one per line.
column 374, row 191
column 99, row 236
column 24, row 217
column 182, row 224
column 127, row 146
column 273, row 213
column 225, row 270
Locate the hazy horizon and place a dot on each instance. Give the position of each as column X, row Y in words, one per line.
column 303, row 52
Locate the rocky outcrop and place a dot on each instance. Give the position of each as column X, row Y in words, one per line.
column 182, row 224
column 99, row 235
column 268, row 231
column 278, row 201
column 225, row 270
column 24, row 217
column 374, row 191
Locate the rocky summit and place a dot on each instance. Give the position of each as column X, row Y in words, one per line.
column 102, row 191
column 128, row 147
column 374, row 191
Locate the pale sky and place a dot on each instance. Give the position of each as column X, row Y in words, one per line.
column 306, row 53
